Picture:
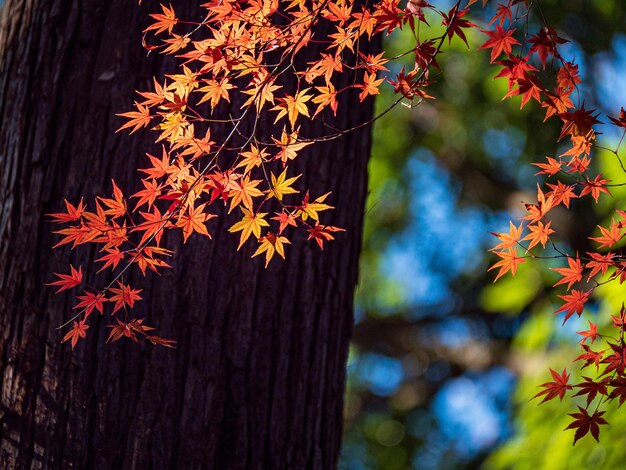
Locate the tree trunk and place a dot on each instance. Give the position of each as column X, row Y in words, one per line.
column 257, row 378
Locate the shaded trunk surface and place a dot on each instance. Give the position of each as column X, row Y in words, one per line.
column 258, row 376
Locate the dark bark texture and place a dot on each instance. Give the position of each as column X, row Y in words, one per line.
column 258, row 375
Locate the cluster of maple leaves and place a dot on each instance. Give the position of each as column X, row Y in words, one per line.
column 242, row 48
column 569, row 176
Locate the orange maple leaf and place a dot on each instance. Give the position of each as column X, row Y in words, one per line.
column 571, row 274
column 509, row 262
column 78, row 331
column 164, row 21
column 124, row 295
column 138, row 119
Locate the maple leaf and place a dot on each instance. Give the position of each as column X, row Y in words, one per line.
column 138, row 119
column 514, row 68
column 370, row 86
column 173, row 127
column 67, row 281
column 124, row 295
column 285, row 218
column 72, row 213
column 620, row 322
column 182, row 84
column 568, row 77
column 281, row 185
column 373, row 63
column 571, row 274
column 615, row 362
column 528, row 87
column 289, row 146
column 583, row 423
column 251, row 223
column 322, row 233
column 556, row 388
column 600, row 263
column 595, row 187
column 610, row 236
column 365, row 22
column 120, row 330
column 543, row 206
column 164, row 21
column 561, row 193
column 310, row 209
column 262, row 90
column 78, row 331
column 160, row 167
column 426, row 55
column 176, row 43
column 193, row 221
column 271, row 244
column 545, row 43
column 508, row 240
column 153, row 225
column 499, row 41
column 509, row 262
column 539, row 233
column 293, row 106
column 252, row 158
column 503, row 13
column 455, row 23
column 578, row 123
column 327, row 97
column 343, row 38
column 242, row 192
column 112, row 258
column 619, row 390
column 148, row 195
column 117, row 205
column 590, row 357
column 591, row 333
column 591, row 388
column 89, row 301
column 574, row 303
column 154, row 98
column 215, row 91
column 145, row 258
column 621, row 120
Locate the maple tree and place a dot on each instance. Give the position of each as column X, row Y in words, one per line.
column 237, row 53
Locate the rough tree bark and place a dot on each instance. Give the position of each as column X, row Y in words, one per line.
column 257, row 379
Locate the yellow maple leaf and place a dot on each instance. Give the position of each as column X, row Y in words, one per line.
column 251, row 223
column 282, row 185
column 271, row 244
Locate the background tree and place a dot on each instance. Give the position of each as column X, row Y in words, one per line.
column 257, row 378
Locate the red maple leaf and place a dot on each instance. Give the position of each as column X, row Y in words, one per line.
column 89, row 301
column 455, row 23
column 67, row 281
column 574, row 303
column 591, row 333
column 500, row 40
column 591, row 388
column 583, row 423
column 556, row 388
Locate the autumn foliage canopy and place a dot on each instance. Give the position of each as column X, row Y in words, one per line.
column 229, row 64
